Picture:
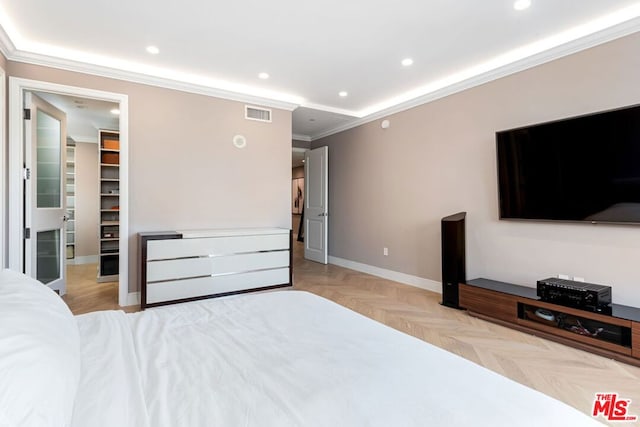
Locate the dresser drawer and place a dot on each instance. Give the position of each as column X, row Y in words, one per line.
column 210, row 246
column 206, row 286
column 216, row 265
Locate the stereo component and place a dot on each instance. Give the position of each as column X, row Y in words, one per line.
column 569, row 293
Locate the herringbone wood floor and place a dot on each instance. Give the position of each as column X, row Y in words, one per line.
column 567, row 374
column 85, row 294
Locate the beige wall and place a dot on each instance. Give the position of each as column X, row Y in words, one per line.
column 390, row 188
column 184, row 171
column 87, row 199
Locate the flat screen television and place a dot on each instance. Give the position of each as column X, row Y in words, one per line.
column 583, row 168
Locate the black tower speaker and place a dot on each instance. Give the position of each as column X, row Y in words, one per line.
column 453, row 257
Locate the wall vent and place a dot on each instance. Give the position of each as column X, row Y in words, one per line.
column 257, row 113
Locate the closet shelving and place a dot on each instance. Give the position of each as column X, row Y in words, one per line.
column 109, row 233
column 70, row 183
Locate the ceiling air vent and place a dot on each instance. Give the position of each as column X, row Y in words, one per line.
column 257, row 113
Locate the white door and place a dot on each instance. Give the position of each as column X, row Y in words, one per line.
column 45, row 130
column 316, row 204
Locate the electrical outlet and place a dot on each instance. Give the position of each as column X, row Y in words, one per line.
column 385, row 251
column 563, row 276
column 578, row 279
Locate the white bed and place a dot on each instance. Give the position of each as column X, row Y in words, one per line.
column 285, row 358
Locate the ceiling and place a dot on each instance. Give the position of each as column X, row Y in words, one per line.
column 84, row 116
column 311, row 50
column 297, row 156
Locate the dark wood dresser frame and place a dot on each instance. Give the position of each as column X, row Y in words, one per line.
column 144, row 238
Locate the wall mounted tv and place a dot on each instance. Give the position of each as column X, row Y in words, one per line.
column 584, row 168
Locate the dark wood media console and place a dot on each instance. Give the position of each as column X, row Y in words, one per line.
column 616, row 336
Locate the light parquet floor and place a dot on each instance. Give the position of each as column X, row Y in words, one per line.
column 567, row 374
column 85, row 294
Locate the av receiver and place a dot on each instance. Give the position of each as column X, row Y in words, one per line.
column 584, row 296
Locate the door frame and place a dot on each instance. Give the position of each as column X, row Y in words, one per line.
column 17, row 87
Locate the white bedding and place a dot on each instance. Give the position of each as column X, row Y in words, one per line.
column 110, row 391
column 286, row 358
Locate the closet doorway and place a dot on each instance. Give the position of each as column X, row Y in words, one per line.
column 87, row 112
column 92, row 230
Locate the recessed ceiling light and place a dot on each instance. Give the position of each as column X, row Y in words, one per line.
column 343, row 93
column 115, row 111
column 521, row 4
column 153, row 50
column 407, row 62
column 263, row 76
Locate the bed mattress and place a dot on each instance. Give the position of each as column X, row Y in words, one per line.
column 286, row 358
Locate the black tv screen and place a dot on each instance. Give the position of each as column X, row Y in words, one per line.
column 584, row 168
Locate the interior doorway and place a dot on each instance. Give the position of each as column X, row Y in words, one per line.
column 297, row 192
column 316, row 205
column 77, row 102
column 86, row 235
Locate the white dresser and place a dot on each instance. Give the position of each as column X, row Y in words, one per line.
column 182, row 266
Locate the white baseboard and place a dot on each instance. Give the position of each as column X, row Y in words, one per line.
column 88, row 259
column 407, row 279
column 133, row 298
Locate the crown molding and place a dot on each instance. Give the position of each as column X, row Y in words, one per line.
column 330, row 109
column 9, row 50
column 134, row 77
column 566, row 49
column 89, row 139
column 6, row 45
column 300, row 137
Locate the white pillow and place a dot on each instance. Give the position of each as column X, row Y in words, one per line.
column 39, row 354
